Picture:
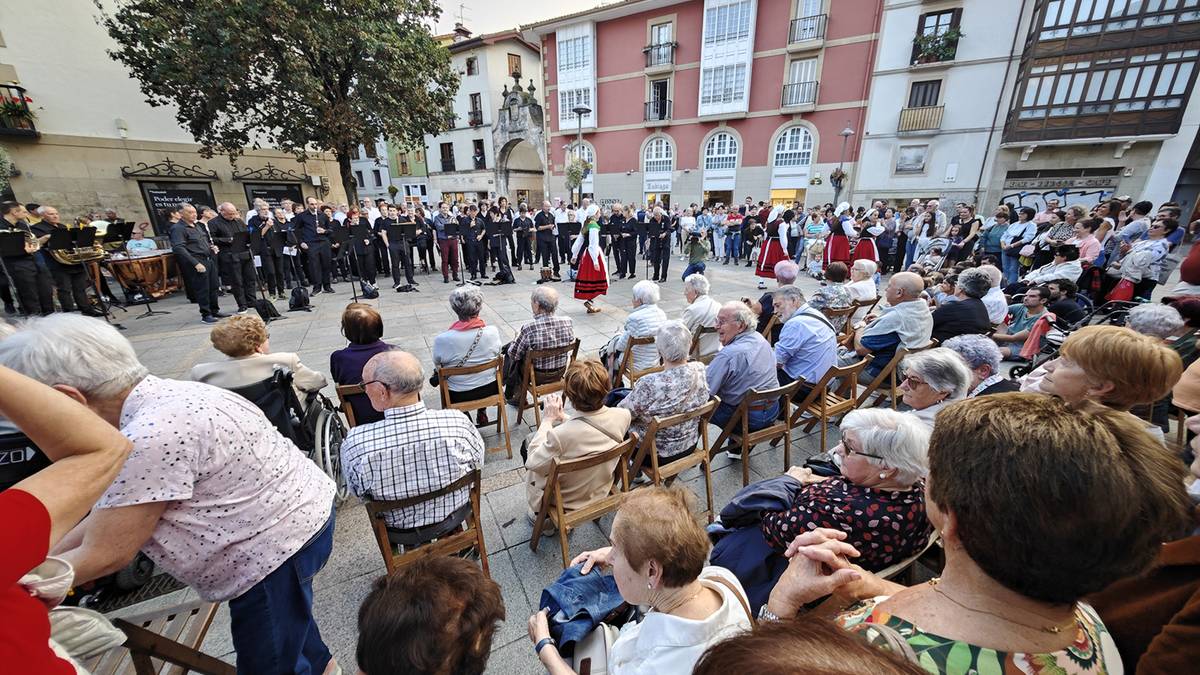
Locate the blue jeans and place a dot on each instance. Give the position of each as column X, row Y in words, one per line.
column 273, row 627
column 693, row 268
column 759, row 419
column 733, row 245
column 1012, row 267
column 910, row 252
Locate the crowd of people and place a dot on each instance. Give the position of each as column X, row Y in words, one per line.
column 1066, row 525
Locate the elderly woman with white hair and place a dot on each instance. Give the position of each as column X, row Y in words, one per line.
column 862, row 280
column 982, row 357
column 1156, row 320
column 643, row 321
column 878, row 499
column 679, row 387
column 701, row 312
column 468, row 342
column 933, row 379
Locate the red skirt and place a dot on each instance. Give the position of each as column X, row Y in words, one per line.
column 837, row 249
column 592, row 279
column 865, row 250
column 768, row 255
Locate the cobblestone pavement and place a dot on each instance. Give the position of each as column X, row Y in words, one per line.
column 170, row 345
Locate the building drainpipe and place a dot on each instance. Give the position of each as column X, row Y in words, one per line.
column 987, row 148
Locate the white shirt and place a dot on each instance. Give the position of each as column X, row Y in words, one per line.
column 642, row 322
column 703, row 314
column 663, row 644
column 862, row 290
column 997, row 306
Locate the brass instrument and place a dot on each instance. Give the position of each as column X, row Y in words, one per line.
column 79, row 255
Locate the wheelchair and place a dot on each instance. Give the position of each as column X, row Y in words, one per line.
column 316, row 428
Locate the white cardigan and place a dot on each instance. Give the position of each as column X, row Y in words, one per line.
column 642, row 322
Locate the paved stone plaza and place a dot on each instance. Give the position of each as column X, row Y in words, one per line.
column 170, row 345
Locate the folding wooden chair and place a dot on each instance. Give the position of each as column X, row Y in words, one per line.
column 846, row 336
column 647, row 455
column 529, row 379
column 497, row 399
column 164, row 641
column 694, row 352
column 869, row 304
column 888, row 377
column 457, row 542
column 552, row 500
column 823, row 405
column 345, row 392
column 769, row 329
column 627, row 371
column 738, row 428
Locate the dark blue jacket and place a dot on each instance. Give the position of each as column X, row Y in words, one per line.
column 577, row 604
column 306, row 224
column 739, row 543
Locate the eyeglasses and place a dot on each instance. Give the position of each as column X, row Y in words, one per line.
column 914, row 381
column 378, row 382
column 847, row 451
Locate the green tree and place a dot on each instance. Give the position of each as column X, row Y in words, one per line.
column 298, row 75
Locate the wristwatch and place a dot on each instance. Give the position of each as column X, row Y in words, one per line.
column 537, row 649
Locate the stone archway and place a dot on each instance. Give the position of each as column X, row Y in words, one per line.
column 519, row 144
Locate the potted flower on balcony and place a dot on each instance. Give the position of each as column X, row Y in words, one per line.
column 15, row 112
column 936, row 47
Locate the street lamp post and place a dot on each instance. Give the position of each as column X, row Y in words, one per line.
column 580, row 111
column 841, row 179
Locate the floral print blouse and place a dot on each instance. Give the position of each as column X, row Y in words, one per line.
column 886, row 527
column 1093, row 653
column 832, row 296
column 665, row 393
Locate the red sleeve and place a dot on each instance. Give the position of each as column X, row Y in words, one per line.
column 1189, row 270
column 24, row 535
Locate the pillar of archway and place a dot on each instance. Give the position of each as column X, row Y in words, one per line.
column 519, row 119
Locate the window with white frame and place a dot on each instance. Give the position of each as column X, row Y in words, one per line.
column 794, row 148
column 584, row 152
column 723, row 84
column 727, row 21
column 659, row 156
column 569, row 99
column 574, row 53
column 1081, row 87
column 721, row 152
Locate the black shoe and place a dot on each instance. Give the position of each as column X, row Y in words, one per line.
column 210, row 319
column 328, row 289
column 472, row 277
column 316, row 290
column 446, row 281
column 221, row 315
column 414, row 283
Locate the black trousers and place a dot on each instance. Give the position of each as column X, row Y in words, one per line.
column 364, row 262
column 381, row 259
column 660, row 257
column 524, row 255
column 475, row 256
column 425, row 248
column 71, row 282
column 272, row 272
column 500, row 258
column 564, row 247
column 293, row 271
column 401, row 261
column 320, row 263
column 547, row 250
column 627, row 263
column 239, row 276
column 202, row 285
column 341, row 260
column 35, row 293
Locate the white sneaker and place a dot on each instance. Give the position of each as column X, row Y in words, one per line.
column 733, row 456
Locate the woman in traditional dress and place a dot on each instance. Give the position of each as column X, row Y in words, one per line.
column 592, row 277
column 774, row 247
column 837, row 247
column 866, row 249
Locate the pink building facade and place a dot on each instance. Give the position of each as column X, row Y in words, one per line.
column 707, row 101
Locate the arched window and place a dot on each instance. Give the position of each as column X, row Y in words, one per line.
column 721, row 152
column 659, row 155
column 584, row 152
column 794, row 148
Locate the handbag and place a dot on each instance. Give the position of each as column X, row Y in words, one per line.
column 1027, row 251
column 1122, row 292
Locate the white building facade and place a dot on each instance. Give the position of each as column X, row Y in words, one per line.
column 369, row 164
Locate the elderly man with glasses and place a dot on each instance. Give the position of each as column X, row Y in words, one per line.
column 413, row 451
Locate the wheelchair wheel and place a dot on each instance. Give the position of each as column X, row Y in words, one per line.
column 330, row 433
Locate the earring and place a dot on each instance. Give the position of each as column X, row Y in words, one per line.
column 649, row 586
column 882, row 475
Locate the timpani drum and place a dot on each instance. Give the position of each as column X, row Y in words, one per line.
column 155, row 274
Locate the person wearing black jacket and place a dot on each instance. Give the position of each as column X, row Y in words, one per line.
column 547, row 245
column 262, row 225
column 473, row 248
column 660, row 245
column 71, row 281
column 237, row 269
column 616, row 222
column 400, row 250
column 314, row 230
column 379, row 246
column 363, row 247
column 32, row 282
column 627, row 242
column 496, row 245
column 523, row 231
column 967, row 315
column 196, row 256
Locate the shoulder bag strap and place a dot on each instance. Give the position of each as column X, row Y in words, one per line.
column 741, row 598
column 592, row 424
column 470, row 350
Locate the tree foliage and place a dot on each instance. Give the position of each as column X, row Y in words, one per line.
column 298, row 75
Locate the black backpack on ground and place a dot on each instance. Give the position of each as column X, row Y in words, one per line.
column 266, row 310
column 369, row 291
column 299, row 300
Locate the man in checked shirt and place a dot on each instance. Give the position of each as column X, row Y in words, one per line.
column 413, row 451
column 546, row 331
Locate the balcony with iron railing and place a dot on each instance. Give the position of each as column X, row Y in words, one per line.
column 799, row 94
column 657, row 112
column 16, row 117
column 924, row 118
column 660, row 56
column 807, row 32
column 475, row 118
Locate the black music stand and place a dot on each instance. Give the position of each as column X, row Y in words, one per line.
column 257, row 243
column 456, row 230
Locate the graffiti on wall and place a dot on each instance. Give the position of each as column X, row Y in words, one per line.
column 1037, row 200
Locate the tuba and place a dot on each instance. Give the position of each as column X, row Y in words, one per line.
column 78, row 255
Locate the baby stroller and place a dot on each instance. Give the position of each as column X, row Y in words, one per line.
column 931, row 253
column 316, row 428
column 1110, row 313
